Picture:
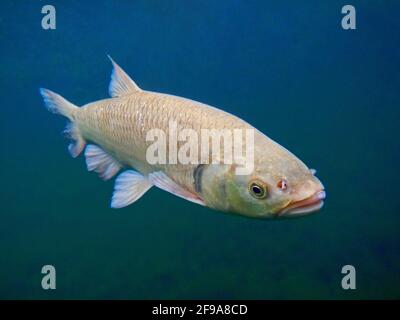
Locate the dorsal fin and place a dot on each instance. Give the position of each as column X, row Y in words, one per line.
column 121, row 84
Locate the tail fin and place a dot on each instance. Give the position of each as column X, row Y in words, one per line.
column 57, row 104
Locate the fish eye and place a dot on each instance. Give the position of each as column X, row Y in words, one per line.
column 282, row 184
column 257, row 190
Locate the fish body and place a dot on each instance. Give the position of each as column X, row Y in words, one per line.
column 118, row 131
column 120, row 125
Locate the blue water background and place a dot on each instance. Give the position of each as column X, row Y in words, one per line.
column 329, row 95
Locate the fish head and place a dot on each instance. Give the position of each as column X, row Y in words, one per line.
column 279, row 186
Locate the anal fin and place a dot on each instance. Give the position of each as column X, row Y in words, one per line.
column 101, row 162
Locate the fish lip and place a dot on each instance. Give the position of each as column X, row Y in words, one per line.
column 307, row 205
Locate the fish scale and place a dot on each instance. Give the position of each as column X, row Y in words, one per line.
column 137, row 114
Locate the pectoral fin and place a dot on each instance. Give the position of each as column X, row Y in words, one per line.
column 129, row 187
column 162, row 181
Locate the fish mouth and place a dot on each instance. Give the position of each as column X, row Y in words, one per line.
column 302, row 207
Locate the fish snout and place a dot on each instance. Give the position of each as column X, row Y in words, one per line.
column 305, row 206
column 307, row 198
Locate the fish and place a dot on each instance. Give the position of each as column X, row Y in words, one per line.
column 113, row 133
